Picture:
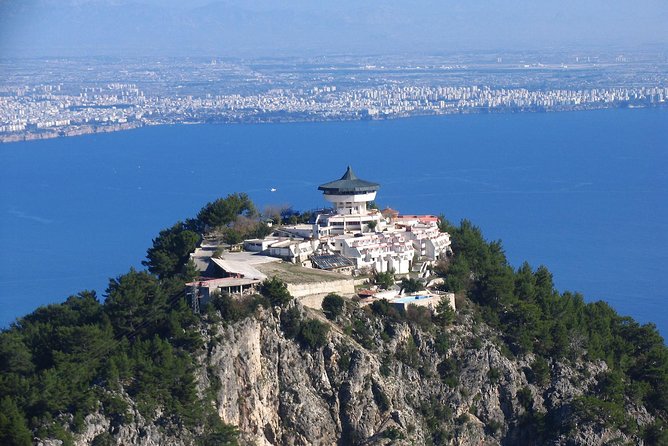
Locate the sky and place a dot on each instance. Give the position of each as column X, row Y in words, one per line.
column 255, row 28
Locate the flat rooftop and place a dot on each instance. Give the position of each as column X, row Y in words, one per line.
column 226, row 281
column 252, row 258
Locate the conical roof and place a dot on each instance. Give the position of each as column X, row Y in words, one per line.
column 349, row 184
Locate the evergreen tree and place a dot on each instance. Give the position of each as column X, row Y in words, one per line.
column 171, row 251
column 13, row 428
column 276, row 291
column 135, row 303
column 225, row 210
column 332, row 306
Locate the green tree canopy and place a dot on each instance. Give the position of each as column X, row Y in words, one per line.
column 411, row 285
column 332, row 306
column 276, row 291
column 13, row 428
column 135, row 302
column 384, row 280
column 224, row 211
column 171, row 250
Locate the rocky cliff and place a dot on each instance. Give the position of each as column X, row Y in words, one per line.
column 407, row 387
column 379, row 380
column 519, row 362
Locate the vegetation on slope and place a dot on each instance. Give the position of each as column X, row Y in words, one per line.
column 533, row 317
column 138, row 349
column 66, row 361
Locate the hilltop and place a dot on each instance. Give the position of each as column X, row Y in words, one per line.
column 517, row 363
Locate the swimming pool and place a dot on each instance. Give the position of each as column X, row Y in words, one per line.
column 409, row 299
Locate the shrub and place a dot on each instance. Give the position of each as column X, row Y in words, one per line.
column 525, row 397
column 493, row 426
column 276, row 291
column 313, row 334
column 421, row 316
column 385, row 364
column 362, row 333
column 411, row 285
column 384, row 280
column 116, row 409
column 392, row 433
column 474, row 343
column 382, row 307
column 589, row 409
column 540, row 372
column 332, row 306
column 655, row 433
column 219, row 433
column 441, row 343
column 291, row 322
column 435, row 413
column 494, row 375
column 409, row 354
column 344, row 359
column 449, row 372
column 234, row 309
column 103, row 439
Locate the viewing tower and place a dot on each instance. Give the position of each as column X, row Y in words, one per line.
column 349, row 197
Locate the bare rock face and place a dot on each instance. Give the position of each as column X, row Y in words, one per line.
column 277, row 392
column 139, row 431
column 399, row 385
column 95, row 424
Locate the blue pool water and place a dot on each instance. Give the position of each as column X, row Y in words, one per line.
column 408, row 299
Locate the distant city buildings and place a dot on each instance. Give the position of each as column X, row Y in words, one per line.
column 42, row 110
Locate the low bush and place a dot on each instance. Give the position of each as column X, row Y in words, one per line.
column 332, row 306
column 276, row 291
column 234, row 309
column 313, row 334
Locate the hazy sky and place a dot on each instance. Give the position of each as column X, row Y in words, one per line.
column 311, row 27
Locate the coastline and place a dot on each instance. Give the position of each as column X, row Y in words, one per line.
column 87, row 129
column 68, row 132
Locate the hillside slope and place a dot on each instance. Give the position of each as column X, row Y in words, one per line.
column 519, row 362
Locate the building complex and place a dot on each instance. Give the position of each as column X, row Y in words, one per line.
column 351, row 239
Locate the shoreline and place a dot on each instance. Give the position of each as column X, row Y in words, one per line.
column 65, row 133
column 79, row 130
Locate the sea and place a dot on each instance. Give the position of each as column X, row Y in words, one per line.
column 584, row 193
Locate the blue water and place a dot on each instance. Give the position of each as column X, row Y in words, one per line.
column 584, row 193
column 403, row 300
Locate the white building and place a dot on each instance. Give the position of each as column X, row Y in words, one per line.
column 429, row 242
column 258, row 244
column 381, row 252
column 349, row 197
column 366, row 237
column 294, row 251
column 290, row 249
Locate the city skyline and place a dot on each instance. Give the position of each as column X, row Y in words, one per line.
column 44, row 98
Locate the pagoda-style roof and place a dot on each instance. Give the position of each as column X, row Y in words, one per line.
column 349, row 184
